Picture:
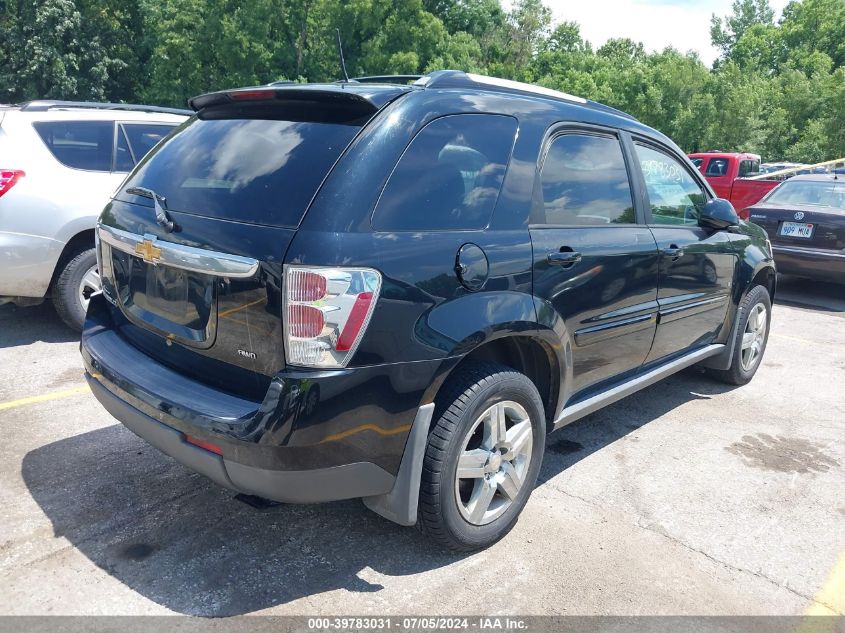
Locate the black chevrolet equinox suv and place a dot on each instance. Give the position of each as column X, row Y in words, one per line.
column 392, row 292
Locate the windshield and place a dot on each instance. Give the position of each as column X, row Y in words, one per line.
column 823, row 193
column 248, row 170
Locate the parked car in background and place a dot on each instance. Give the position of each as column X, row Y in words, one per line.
column 804, row 218
column 769, row 168
column 59, row 163
column 394, row 292
column 727, row 173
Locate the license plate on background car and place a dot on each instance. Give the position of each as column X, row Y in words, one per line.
column 796, row 229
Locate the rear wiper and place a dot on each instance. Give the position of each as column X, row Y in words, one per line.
column 161, row 215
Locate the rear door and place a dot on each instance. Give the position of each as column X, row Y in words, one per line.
column 595, row 265
column 697, row 265
column 236, row 181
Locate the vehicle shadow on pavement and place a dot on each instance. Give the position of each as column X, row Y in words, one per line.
column 810, row 295
column 582, row 438
column 188, row 545
column 185, row 543
column 22, row 326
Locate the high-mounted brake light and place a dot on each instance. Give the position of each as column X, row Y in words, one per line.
column 326, row 312
column 252, row 95
column 8, row 179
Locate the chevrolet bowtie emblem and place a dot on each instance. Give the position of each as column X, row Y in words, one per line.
column 149, row 251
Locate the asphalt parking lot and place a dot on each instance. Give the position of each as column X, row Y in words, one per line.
column 690, row 497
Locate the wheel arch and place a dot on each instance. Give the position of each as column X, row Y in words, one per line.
column 83, row 240
column 532, row 354
column 765, row 275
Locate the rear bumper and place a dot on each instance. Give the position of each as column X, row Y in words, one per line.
column 315, row 436
column 348, row 481
column 806, row 262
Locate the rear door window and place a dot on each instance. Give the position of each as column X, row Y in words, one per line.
column 256, row 170
column 450, row 175
column 123, row 160
column 142, row 137
column 79, row 144
column 585, row 183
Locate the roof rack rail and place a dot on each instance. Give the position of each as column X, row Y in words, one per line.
column 386, row 79
column 44, row 105
column 460, row 79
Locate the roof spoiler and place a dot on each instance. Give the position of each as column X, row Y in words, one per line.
column 288, row 93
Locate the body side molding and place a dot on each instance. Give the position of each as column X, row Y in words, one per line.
column 585, row 407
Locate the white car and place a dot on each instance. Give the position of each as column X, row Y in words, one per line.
column 59, row 164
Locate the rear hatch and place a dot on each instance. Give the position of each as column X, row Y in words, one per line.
column 804, row 213
column 193, row 243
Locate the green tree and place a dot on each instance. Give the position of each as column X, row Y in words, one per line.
column 726, row 31
column 50, row 51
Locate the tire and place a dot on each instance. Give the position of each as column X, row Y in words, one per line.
column 452, row 512
column 743, row 365
column 67, row 289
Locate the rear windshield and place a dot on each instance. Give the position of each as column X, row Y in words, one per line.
column 717, row 167
column 244, row 169
column 811, row 192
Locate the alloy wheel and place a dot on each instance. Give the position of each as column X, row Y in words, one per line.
column 494, row 459
column 88, row 286
column 754, row 336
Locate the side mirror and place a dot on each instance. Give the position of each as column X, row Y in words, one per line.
column 718, row 214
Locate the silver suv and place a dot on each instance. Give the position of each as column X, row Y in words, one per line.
column 59, row 163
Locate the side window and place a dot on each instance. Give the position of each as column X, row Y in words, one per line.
column 717, row 167
column 585, row 183
column 697, row 162
column 143, row 137
column 123, row 158
column 79, row 144
column 449, row 176
column 748, row 167
column 674, row 195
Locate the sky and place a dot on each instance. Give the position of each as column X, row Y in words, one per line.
column 684, row 24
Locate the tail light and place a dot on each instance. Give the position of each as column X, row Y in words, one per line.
column 326, row 312
column 743, row 214
column 8, row 179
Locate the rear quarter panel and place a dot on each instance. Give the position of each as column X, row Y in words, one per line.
column 45, row 209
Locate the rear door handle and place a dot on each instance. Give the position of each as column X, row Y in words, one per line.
column 674, row 252
column 564, row 259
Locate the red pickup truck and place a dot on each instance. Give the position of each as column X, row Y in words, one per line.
column 727, row 173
